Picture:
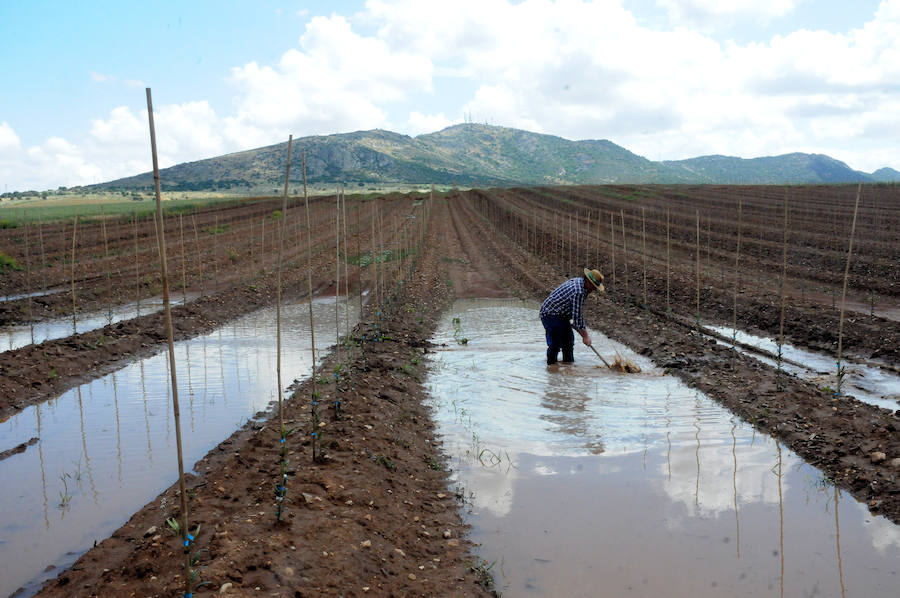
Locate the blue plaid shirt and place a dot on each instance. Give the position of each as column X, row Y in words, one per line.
column 566, row 301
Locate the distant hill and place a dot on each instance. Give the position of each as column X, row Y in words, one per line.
column 886, row 175
column 474, row 154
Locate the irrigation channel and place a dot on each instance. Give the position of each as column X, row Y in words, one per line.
column 15, row 337
column 868, row 383
column 584, row 482
column 106, row 447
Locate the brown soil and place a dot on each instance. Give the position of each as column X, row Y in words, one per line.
column 374, row 513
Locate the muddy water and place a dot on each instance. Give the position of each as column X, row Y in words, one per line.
column 583, row 482
column 869, row 384
column 109, row 445
column 53, row 291
column 15, row 337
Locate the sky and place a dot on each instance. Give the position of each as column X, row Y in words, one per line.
column 666, row 79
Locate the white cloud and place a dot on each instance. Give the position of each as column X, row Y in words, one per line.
column 100, row 77
column 426, row 123
column 567, row 67
column 706, row 14
column 9, row 141
column 337, row 81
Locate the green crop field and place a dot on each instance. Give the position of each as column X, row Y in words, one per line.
column 14, row 212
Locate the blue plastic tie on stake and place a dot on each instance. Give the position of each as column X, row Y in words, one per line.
column 282, row 441
column 313, row 434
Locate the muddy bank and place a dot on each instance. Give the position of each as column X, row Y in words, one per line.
column 373, row 517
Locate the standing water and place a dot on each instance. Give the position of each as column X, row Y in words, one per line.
column 579, row 481
column 22, row 335
column 107, row 447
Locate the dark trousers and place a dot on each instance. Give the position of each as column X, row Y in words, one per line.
column 559, row 336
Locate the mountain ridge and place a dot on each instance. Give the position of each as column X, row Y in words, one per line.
column 480, row 155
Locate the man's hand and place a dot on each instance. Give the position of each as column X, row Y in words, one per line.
column 585, row 337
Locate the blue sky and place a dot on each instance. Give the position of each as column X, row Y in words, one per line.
column 667, row 79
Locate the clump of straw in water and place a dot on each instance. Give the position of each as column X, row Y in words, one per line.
column 626, row 366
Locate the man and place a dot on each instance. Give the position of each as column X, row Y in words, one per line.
column 561, row 312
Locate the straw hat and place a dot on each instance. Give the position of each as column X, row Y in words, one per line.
column 595, row 278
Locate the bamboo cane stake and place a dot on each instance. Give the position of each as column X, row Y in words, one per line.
column 840, row 369
column 346, row 270
column 161, row 243
column 137, row 273
column 312, row 326
column 644, row 253
column 375, row 261
column 108, row 274
column 698, row 270
column 28, row 274
column 199, row 255
column 183, row 260
column 737, row 259
column 668, row 261
column 781, row 286
column 587, row 244
column 43, row 257
column 252, row 239
column 337, row 270
column 281, row 490
column 625, row 254
column 74, row 234
column 215, row 255
column 599, row 233
column 359, row 254
column 612, row 245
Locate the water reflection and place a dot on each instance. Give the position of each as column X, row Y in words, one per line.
column 15, row 337
column 632, row 484
column 108, row 443
column 869, row 384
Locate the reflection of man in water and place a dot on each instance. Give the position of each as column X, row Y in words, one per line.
column 561, row 312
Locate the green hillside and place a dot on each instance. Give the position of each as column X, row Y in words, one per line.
column 474, row 154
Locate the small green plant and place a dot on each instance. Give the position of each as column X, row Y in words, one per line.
column 8, row 263
column 7, row 224
column 233, row 255
column 386, row 461
column 457, row 332
column 482, row 570
column 64, row 497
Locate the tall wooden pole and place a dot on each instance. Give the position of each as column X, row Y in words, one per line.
column 782, row 285
column 644, row 252
column 668, row 260
column 74, row 233
column 312, row 324
column 108, row 273
column 625, row 253
column 840, row 369
column 737, row 276
column 164, row 272
column 698, row 269
column 281, row 489
column 199, row 255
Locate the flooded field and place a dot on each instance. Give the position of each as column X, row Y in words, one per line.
column 582, row 482
column 869, row 384
column 15, row 337
column 107, row 447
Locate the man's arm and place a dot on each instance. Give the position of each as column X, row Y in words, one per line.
column 578, row 318
column 585, row 337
